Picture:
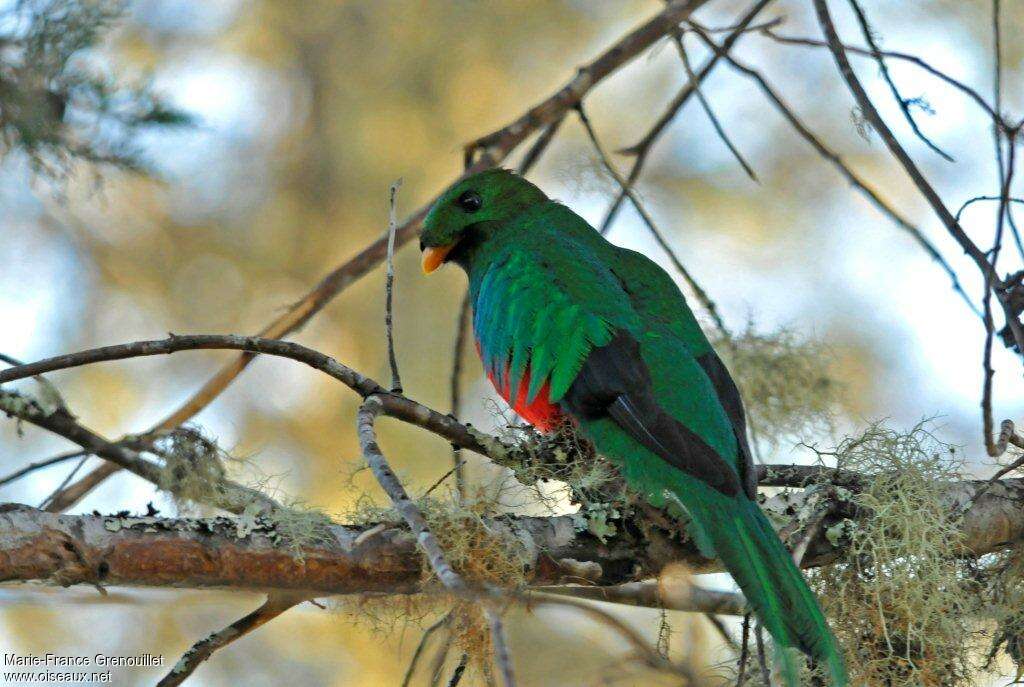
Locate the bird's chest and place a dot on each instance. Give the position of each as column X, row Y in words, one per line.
column 541, row 412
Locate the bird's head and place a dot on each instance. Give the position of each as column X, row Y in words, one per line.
column 471, row 206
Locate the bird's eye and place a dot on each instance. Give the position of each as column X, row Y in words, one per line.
column 470, row 201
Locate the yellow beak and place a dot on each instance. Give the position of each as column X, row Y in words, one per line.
column 433, row 256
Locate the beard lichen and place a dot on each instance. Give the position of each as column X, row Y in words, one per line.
column 479, row 544
column 786, row 381
column 899, row 599
column 563, row 473
column 193, row 466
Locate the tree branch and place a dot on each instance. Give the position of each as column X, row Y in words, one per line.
column 256, row 554
column 275, row 605
column 915, row 174
column 833, row 157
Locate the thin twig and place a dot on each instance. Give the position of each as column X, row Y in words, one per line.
column 440, row 656
column 643, row 147
column 455, row 390
column 499, row 639
column 706, row 106
column 997, row 132
column 883, row 68
column 427, row 633
column 38, row 465
column 906, row 57
column 833, row 157
column 701, row 295
column 721, row 629
column 456, row 450
column 276, row 604
column 978, row 199
column 763, row 26
column 741, row 672
column 644, row 652
column 71, row 475
column 650, row 594
column 539, row 146
column 389, row 286
column 460, row 669
column 762, row 658
column 53, row 395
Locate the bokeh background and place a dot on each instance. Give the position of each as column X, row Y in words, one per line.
column 306, row 111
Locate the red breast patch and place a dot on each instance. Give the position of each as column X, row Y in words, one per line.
column 542, row 413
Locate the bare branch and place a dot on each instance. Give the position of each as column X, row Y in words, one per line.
column 907, row 57
column 394, row 405
column 719, row 129
column 539, row 146
column 276, row 604
column 455, row 393
column 60, row 487
column 645, row 653
column 833, row 157
column 40, row 464
column 371, row 409
column 650, row 594
column 643, row 147
column 389, row 286
column 744, row 651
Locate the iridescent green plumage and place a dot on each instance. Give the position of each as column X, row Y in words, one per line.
column 623, row 355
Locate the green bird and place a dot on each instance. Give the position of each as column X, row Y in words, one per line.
column 568, row 325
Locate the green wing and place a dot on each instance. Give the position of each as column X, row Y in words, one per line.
column 661, row 305
column 552, row 301
column 543, row 304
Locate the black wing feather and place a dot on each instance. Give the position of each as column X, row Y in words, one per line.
column 615, row 382
column 729, row 397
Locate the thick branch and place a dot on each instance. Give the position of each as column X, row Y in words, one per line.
column 256, row 555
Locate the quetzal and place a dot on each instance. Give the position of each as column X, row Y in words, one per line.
column 570, row 325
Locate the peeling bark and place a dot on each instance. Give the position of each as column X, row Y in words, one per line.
column 251, row 554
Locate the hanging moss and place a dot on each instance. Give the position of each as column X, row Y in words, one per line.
column 900, row 603
column 193, row 466
column 587, row 480
column 786, row 381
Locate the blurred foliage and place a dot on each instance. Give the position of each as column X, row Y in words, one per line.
column 788, row 384
column 56, row 107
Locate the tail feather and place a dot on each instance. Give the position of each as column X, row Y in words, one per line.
column 772, row 584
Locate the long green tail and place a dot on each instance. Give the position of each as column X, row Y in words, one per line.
column 741, row 536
